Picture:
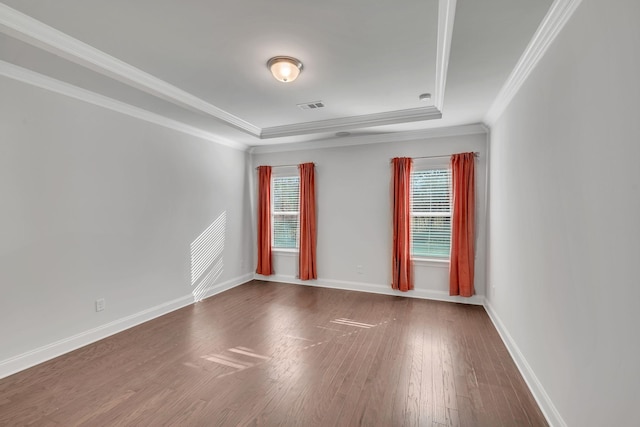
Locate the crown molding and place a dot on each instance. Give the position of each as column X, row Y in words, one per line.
column 552, row 24
column 24, row 75
column 446, row 18
column 345, row 123
column 38, row 34
column 350, row 141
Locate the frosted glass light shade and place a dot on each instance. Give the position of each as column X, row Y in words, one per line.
column 285, row 68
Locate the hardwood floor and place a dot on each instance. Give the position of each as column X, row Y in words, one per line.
column 277, row 354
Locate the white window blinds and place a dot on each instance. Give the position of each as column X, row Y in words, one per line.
column 285, row 211
column 430, row 213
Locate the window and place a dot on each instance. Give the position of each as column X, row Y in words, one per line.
column 285, row 212
column 430, row 212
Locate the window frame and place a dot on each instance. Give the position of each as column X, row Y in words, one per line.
column 420, row 165
column 284, row 172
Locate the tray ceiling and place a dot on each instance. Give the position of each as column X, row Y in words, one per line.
column 203, row 63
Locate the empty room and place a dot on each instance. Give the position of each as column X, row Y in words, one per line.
column 330, row 213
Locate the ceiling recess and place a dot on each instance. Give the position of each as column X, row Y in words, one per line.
column 311, row 105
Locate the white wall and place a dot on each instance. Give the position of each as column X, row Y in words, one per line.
column 96, row 204
column 564, row 232
column 353, row 190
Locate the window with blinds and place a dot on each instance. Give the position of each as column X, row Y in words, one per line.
column 430, row 213
column 285, row 210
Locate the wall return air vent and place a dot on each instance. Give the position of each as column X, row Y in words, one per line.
column 311, row 105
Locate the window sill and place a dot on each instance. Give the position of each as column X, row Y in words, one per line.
column 285, row 252
column 431, row 262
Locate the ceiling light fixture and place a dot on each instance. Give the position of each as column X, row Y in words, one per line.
column 284, row 68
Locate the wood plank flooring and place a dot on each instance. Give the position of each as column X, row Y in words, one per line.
column 277, row 354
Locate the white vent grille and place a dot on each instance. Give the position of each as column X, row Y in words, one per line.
column 311, row 105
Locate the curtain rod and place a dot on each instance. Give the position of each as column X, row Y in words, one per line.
column 283, row 166
column 475, row 153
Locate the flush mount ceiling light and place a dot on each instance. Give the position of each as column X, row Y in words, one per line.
column 284, row 68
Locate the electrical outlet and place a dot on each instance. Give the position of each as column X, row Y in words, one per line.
column 359, row 269
column 100, row 304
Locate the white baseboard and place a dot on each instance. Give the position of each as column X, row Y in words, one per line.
column 544, row 401
column 374, row 289
column 229, row 284
column 42, row 354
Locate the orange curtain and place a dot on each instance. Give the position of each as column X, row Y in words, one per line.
column 307, row 259
column 461, row 267
column 401, row 269
column 265, row 266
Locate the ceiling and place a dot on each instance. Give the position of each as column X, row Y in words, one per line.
column 200, row 65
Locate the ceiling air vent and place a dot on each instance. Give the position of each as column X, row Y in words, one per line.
column 311, row 105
